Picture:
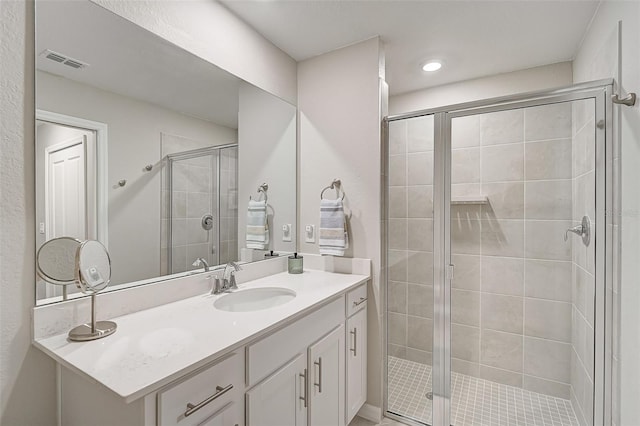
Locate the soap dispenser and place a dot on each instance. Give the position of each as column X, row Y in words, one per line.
column 295, row 264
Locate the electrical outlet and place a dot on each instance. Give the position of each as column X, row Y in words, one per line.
column 310, row 234
column 286, row 232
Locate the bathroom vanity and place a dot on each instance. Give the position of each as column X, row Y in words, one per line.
column 206, row 361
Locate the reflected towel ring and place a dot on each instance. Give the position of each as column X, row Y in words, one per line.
column 336, row 184
column 262, row 189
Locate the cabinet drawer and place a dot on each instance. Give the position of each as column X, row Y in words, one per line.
column 270, row 353
column 356, row 299
column 205, row 392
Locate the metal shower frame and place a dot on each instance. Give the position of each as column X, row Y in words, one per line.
column 601, row 91
column 185, row 155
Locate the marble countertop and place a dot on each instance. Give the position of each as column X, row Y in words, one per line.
column 156, row 346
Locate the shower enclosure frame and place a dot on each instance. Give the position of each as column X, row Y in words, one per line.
column 600, row 91
column 194, row 153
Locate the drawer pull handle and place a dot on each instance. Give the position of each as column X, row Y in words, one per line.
column 354, row 333
column 319, row 384
column 304, row 381
column 220, row 391
column 360, row 302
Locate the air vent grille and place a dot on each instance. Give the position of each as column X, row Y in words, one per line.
column 62, row 59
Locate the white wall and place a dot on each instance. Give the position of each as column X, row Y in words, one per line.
column 134, row 141
column 339, row 137
column 601, row 56
column 210, row 31
column 528, row 80
column 27, row 376
column 267, row 153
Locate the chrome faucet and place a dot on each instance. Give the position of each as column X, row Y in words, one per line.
column 230, row 283
column 199, row 262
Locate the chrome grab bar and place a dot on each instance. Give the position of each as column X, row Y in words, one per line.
column 191, row 408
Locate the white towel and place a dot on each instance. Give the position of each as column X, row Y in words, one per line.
column 257, row 225
column 332, row 237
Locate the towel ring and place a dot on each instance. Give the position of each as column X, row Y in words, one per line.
column 336, row 184
column 262, row 189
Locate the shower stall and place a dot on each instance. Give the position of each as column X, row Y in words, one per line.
column 200, row 214
column 496, row 285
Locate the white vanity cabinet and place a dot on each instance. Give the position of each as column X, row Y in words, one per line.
column 309, row 371
column 309, row 389
column 356, row 353
column 281, row 399
column 327, row 380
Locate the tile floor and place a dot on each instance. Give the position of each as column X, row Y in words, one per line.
column 475, row 402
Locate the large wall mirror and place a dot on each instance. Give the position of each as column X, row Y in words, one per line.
column 160, row 155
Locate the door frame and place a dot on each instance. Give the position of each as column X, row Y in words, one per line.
column 601, row 92
column 101, row 164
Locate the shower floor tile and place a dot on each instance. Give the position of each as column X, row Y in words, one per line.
column 475, row 402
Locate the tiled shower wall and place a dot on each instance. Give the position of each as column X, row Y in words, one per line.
column 583, row 264
column 410, row 229
column 512, row 291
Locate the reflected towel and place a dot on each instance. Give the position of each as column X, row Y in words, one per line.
column 332, row 236
column 257, row 225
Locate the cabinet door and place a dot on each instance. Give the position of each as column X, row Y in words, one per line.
column 356, row 363
column 282, row 398
column 326, row 386
column 227, row 416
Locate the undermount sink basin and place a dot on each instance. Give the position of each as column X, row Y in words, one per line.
column 254, row 299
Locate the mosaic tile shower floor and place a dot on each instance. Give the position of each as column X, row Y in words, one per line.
column 475, row 402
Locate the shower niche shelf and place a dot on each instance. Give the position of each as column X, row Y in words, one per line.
column 469, row 200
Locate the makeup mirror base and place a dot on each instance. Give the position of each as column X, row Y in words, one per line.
column 86, row 332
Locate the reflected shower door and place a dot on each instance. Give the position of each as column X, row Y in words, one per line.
column 410, row 246
column 193, row 210
column 523, row 293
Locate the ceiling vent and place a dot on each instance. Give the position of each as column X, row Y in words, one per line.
column 62, row 59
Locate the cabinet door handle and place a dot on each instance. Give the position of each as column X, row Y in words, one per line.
column 219, row 392
column 319, row 384
column 360, row 302
column 304, row 385
column 354, row 333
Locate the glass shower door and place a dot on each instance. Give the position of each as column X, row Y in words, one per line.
column 523, row 293
column 410, row 247
column 193, row 210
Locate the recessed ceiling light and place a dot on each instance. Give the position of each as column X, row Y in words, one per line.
column 432, row 66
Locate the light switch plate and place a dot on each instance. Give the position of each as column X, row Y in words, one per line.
column 310, row 234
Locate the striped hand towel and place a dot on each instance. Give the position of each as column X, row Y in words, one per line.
column 257, row 225
column 332, row 237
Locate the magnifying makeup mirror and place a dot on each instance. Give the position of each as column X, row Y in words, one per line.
column 65, row 260
column 93, row 273
column 55, row 261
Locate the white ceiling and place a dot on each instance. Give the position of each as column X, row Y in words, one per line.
column 472, row 38
column 128, row 60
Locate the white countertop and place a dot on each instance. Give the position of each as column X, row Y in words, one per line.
column 156, row 346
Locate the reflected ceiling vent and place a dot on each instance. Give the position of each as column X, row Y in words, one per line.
column 62, row 59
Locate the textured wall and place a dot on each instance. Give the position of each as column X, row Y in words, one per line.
column 27, row 376
column 339, row 137
column 606, row 53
